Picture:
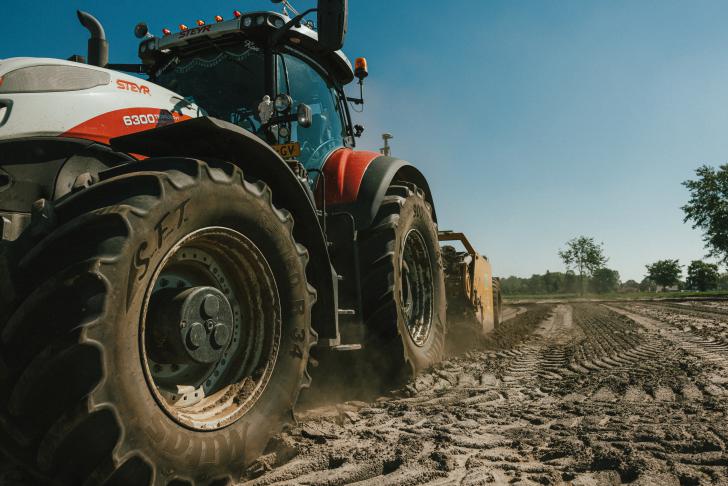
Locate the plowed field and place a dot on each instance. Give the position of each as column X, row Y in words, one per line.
column 582, row 394
column 574, row 394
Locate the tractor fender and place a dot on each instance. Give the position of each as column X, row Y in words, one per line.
column 32, row 168
column 357, row 181
column 208, row 138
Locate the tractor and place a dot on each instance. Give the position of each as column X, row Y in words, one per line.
column 181, row 237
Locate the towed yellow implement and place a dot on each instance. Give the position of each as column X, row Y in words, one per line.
column 473, row 294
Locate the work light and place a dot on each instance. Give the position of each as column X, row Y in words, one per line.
column 283, row 103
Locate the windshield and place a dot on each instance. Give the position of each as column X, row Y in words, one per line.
column 306, row 85
column 226, row 82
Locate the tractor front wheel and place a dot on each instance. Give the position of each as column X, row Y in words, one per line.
column 163, row 331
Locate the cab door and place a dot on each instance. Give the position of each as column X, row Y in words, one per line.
column 306, row 83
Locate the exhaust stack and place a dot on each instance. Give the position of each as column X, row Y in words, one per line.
column 98, row 47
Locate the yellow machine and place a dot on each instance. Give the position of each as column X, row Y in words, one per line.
column 473, row 294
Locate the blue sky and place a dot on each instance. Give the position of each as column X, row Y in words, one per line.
column 535, row 121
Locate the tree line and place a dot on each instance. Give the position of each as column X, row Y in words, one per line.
column 707, row 210
column 561, row 283
column 661, row 275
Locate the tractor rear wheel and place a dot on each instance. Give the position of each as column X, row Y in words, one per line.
column 164, row 330
column 403, row 287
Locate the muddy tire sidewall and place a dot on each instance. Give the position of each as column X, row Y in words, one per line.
column 416, row 215
column 172, row 449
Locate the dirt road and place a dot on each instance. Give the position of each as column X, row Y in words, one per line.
column 580, row 394
column 588, row 395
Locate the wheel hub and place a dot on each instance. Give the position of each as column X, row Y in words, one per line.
column 417, row 291
column 192, row 325
column 211, row 328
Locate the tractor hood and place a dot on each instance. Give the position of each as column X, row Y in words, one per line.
column 52, row 97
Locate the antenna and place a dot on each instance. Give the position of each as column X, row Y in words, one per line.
column 286, row 5
column 386, row 150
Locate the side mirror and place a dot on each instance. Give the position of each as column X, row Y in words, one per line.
column 304, row 116
column 332, row 23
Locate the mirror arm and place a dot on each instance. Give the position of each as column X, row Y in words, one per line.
column 277, row 35
column 360, row 99
column 281, row 119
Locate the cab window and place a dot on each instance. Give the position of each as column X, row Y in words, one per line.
column 304, row 84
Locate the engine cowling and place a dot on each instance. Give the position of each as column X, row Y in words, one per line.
column 51, row 97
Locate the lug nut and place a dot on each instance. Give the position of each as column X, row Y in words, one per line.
column 196, row 336
column 211, row 306
column 221, row 336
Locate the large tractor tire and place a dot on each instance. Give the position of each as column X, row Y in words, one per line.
column 163, row 329
column 403, row 286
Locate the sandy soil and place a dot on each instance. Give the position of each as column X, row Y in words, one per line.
column 581, row 394
column 587, row 396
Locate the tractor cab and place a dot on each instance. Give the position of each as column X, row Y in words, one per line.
column 273, row 75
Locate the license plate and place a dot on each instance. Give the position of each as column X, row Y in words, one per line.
column 288, row 150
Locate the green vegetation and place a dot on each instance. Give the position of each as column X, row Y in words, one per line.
column 605, row 280
column 586, row 256
column 702, row 276
column 588, row 278
column 707, row 208
column 559, row 283
column 582, row 254
column 665, row 273
column 617, row 296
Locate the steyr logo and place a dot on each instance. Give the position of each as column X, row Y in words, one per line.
column 195, row 31
column 133, row 87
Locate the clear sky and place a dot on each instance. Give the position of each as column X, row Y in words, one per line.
column 535, row 121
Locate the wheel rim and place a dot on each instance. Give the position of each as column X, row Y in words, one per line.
column 210, row 328
column 416, row 293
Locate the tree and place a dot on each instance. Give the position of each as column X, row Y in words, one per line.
column 554, row 282
column 648, row 285
column 536, row 284
column 584, row 255
column 571, row 282
column 702, row 276
column 512, row 285
column 630, row 286
column 665, row 272
column 605, row 280
column 707, row 208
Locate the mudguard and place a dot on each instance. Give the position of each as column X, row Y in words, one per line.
column 356, row 182
column 209, row 138
column 32, row 168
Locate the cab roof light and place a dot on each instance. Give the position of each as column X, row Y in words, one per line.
column 361, row 68
column 237, row 14
column 166, row 32
column 218, row 18
column 182, row 27
column 200, row 22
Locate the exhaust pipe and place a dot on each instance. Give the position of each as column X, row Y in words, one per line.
column 98, row 47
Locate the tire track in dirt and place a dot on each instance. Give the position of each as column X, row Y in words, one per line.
column 511, row 311
column 545, row 356
column 612, row 344
column 583, row 395
column 715, row 311
column 578, row 394
column 695, row 341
